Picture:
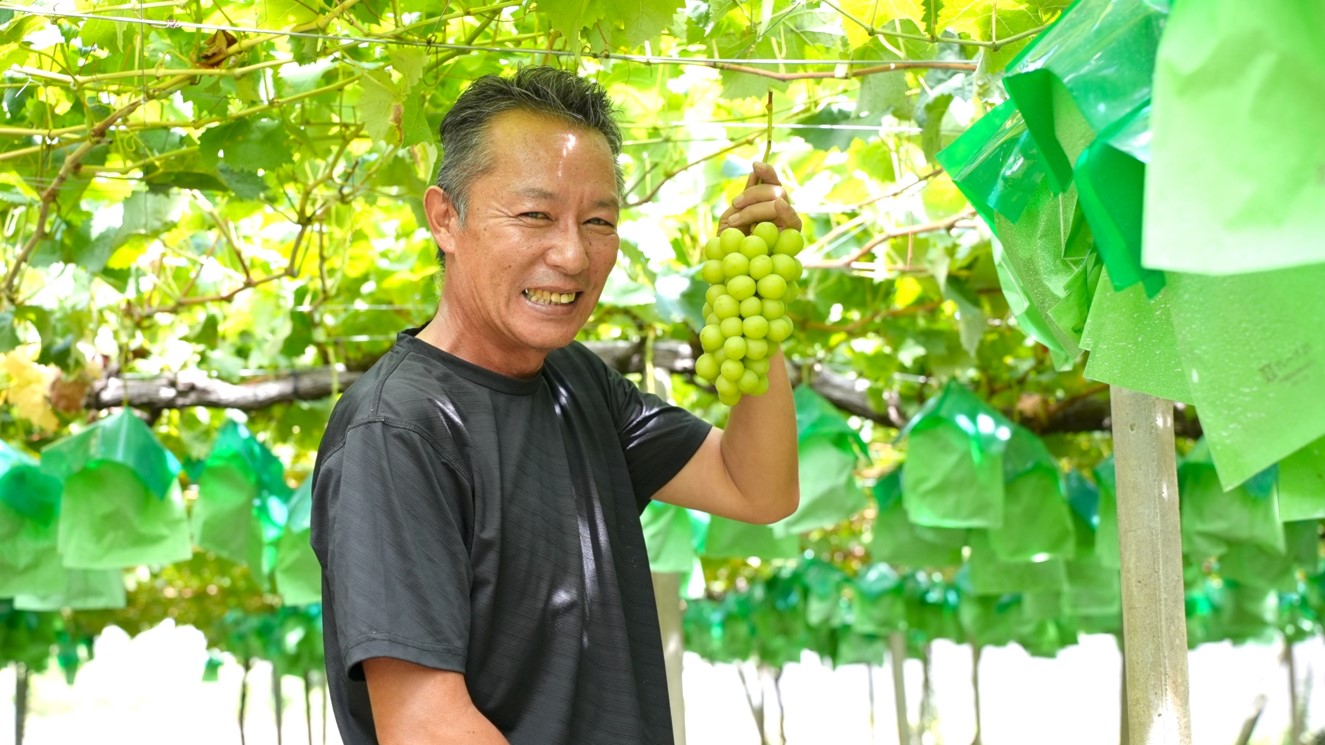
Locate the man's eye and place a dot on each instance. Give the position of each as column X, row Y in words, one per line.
column 535, row 215
column 601, row 221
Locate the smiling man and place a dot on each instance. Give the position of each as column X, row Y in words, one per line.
column 477, row 492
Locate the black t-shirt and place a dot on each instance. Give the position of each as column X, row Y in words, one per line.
column 489, row 525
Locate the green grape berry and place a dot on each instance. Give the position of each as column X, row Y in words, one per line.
column 772, row 287
column 755, row 327
column 726, row 386
column 732, row 370
column 707, row 311
column 754, row 246
column 726, row 307
column 730, row 399
column 713, row 249
column 707, row 367
column 789, row 243
column 756, row 350
column 778, row 330
column 768, row 232
column 749, row 382
column 711, row 271
column 762, row 387
column 774, row 309
column 735, row 265
column 712, row 319
column 758, row 367
column 731, row 327
column 787, row 267
column 730, row 240
column 711, row 338
column 762, row 266
column 741, row 288
column 715, row 292
column 751, row 306
column 734, row 347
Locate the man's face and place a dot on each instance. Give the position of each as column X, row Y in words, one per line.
column 526, row 268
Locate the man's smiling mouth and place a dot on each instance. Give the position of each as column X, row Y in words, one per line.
column 543, row 297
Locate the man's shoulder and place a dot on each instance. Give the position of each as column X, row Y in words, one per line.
column 399, row 391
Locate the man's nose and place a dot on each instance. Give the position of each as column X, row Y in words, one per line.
column 569, row 252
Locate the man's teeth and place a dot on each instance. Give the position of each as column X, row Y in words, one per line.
column 550, row 298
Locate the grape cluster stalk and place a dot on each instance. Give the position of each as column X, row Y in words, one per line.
column 751, row 278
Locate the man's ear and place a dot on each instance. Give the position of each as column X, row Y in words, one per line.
column 443, row 222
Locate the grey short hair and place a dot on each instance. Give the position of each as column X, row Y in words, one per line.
column 541, row 90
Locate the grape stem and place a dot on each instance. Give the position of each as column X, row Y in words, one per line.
column 768, row 144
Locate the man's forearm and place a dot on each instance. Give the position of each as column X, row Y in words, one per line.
column 759, row 446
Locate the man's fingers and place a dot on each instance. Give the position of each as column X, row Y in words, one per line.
column 760, row 193
column 777, row 211
column 765, row 173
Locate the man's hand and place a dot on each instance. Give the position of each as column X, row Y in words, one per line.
column 764, row 200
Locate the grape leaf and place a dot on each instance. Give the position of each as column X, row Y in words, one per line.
column 567, row 17
column 246, row 145
column 930, row 119
column 8, row 334
column 964, row 16
column 632, row 22
column 408, row 61
column 877, row 14
column 881, row 93
column 283, row 13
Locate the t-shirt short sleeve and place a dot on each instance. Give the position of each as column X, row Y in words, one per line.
column 657, row 437
column 398, row 520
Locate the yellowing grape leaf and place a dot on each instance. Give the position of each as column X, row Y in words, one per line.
column 908, row 290
column 285, row 13
column 964, row 16
column 27, row 388
column 876, row 14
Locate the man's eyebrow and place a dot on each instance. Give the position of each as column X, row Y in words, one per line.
column 535, row 192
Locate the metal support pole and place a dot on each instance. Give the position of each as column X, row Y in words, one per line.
column 897, row 653
column 1154, row 612
column 667, row 593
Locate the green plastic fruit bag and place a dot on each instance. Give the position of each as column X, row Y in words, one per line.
column 81, row 589
column 897, row 541
column 1254, row 566
column 1213, row 520
column 931, row 610
column 1302, row 483
column 1132, row 342
column 1092, row 589
column 953, row 474
column 732, row 539
column 824, row 603
column 1254, row 355
column 1049, row 253
column 994, row 164
column 1037, row 521
column 828, row 450
column 29, row 533
column 989, row 575
column 298, row 573
column 878, row 601
column 1237, row 173
column 1247, row 613
column 1083, row 74
column 990, row 621
column 1110, row 177
column 828, row 489
column 238, row 474
column 1108, row 551
column 121, row 504
column 667, row 535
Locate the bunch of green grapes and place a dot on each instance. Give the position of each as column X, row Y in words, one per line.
column 750, row 280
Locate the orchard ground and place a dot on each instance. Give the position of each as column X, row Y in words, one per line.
column 148, row 690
